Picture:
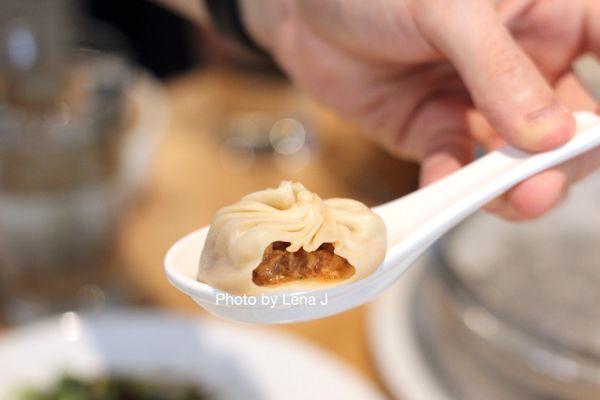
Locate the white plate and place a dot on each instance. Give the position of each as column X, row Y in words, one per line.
column 235, row 361
column 394, row 345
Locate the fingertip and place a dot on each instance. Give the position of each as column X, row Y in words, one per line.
column 546, row 129
column 446, row 153
column 502, row 208
column 538, row 195
column 506, row 212
column 438, row 166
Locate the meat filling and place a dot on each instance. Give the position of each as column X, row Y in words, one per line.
column 279, row 265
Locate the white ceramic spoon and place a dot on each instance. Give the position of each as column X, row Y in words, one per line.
column 414, row 223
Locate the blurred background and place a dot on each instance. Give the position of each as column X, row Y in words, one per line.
column 124, row 127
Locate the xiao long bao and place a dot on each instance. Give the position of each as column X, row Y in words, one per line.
column 288, row 238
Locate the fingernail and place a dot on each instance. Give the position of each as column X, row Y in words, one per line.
column 547, row 128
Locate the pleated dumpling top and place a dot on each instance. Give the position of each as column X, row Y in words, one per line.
column 240, row 233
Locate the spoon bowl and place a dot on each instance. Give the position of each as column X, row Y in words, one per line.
column 181, row 265
column 414, row 222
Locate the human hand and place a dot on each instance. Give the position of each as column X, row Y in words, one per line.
column 430, row 80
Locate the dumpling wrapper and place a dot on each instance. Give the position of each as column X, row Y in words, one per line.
column 240, row 233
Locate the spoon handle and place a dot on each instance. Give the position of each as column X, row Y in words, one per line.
column 417, row 220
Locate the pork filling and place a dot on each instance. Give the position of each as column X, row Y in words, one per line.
column 279, row 265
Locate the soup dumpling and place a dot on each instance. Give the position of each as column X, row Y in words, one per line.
column 288, row 238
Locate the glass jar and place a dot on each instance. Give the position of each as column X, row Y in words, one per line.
column 77, row 124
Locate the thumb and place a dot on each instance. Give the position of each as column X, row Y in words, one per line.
column 503, row 82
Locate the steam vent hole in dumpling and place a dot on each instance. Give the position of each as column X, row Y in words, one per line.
column 279, row 265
